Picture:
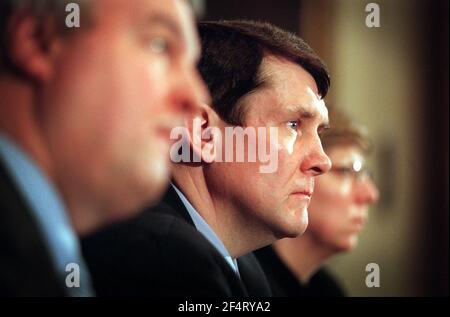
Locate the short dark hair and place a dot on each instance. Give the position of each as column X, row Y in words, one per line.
column 232, row 53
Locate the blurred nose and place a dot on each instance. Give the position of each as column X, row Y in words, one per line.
column 316, row 162
column 367, row 192
column 191, row 91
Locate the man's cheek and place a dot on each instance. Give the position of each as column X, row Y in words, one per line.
column 286, row 144
column 155, row 67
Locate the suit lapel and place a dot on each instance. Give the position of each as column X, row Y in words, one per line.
column 172, row 199
column 253, row 276
column 26, row 268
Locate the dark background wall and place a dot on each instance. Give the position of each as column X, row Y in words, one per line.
column 282, row 13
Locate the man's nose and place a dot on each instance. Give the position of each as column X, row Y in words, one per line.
column 192, row 91
column 317, row 162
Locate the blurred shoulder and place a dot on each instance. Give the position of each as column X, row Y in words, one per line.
column 157, row 253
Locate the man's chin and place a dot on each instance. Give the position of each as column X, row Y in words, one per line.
column 300, row 223
column 157, row 186
column 298, row 231
column 293, row 229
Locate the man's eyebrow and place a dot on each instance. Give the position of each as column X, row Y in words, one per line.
column 164, row 21
column 304, row 113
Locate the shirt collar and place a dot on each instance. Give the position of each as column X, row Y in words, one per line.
column 45, row 205
column 203, row 227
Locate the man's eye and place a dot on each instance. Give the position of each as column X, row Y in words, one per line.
column 159, row 45
column 293, row 125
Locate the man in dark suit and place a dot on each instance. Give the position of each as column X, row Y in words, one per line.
column 272, row 84
column 160, row 253
column 82, row 111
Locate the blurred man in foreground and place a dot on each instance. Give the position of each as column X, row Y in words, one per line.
column 85, row 117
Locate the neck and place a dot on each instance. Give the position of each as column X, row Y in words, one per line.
column 302, row 255
column 20, row 121
column 191, row 182
column 84, row 216
column 237, row 233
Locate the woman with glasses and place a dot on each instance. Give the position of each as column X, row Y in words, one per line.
column 337, row 213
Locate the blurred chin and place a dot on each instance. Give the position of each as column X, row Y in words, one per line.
column 158, row 180
column 144, row 190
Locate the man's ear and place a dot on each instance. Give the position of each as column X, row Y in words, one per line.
column 32, row 43
column 204, row 134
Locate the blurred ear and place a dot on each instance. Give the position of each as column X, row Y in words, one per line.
column 32, row 45
column 204, row 134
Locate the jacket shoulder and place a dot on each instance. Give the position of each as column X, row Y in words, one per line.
column 157, row 254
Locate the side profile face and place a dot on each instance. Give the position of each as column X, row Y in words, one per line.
column 119, row 86
column 274, row 205
column 339, row 206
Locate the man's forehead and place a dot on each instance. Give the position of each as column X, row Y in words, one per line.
column 289, row 85
column 176, row 12
column 318, row 105
column 179, row 14
column 280, row 73
column 175, row 15
column 315, row 110
column 188, row 27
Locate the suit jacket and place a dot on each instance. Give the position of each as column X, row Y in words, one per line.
column 26, row 268
column 161, row 253
column 285, row 284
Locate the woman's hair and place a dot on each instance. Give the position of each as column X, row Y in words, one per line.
column 344, row 131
